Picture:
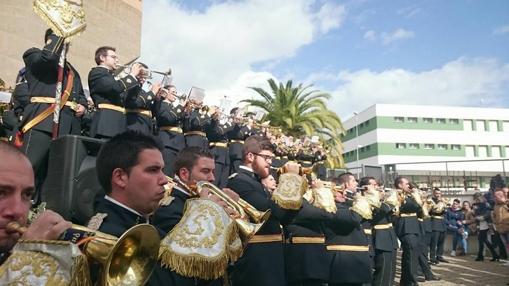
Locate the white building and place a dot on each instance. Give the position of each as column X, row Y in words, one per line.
column 437, row 146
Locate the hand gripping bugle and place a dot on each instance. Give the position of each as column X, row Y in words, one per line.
column 128, row 260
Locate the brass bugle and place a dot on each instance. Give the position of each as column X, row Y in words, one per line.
column 127, row 260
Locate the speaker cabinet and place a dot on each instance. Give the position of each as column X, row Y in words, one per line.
column 71, row 186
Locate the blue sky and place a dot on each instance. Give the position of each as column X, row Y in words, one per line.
column 361, row 52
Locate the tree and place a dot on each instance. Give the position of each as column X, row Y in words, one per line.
column 302, row 111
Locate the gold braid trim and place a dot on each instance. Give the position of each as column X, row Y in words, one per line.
column 80, row 274
column 198, row 266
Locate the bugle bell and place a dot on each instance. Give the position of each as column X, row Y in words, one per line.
column 127, row 260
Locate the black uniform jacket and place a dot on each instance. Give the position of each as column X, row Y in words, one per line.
column 169, row 116
column 261, row 263
column 196, row 121
column 307, row 260
column 216, row 132
column 41, row 76
column 137, row 100
column 235, row 132
column 343, row 231
column 407, row 222
column 437, row 219
column 384, row 238
column 105, row 89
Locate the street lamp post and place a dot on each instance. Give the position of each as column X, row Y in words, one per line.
column 357, row 143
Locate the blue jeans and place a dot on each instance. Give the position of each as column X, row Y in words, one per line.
column 459, row 238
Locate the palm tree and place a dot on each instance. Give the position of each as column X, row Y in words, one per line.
column 301, row 111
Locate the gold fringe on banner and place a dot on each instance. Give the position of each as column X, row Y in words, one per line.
column 289, row 192
column 80, row 273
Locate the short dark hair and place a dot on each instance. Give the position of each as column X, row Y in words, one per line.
column 398, row 181
column 343, row 178
column 10, row 149
column 255, row 144
column 122, row 152
column 102, row 51
column 365, row 181
column 188, row 156
column 457, row 201
column 47, row 34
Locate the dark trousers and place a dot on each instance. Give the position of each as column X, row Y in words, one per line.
column 36, row 146
column 385, row 268
column 234, row 166
column 309, row 282
column 411, row 249
column 221, row 174
column 437, row 245
column 498, row 243
column 427, row 246
column 169, row 155
column 482, row 238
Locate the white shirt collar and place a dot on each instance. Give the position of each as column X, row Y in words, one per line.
column 246, row 168
column 124, row 206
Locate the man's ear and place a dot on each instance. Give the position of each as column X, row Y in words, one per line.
column 119, row 178
column 184, row 174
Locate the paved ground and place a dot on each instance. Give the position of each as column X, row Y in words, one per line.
column 463, row 270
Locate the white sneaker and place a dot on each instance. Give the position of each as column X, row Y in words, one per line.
column 453, row 253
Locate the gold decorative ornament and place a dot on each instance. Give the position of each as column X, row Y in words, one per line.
column 65, row 17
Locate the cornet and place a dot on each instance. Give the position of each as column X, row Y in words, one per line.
column 127, row 260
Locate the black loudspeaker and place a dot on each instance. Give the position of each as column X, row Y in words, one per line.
column 71, row 185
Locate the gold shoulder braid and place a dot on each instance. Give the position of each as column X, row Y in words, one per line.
column 324, row 199
column 96, row 221
column 289, row 191
column 203, row 243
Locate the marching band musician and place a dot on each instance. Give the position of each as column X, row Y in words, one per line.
column 345, row 240
column 108, row 94
column 408, row 230
column 263, row 260
column 37, row 120
column 196, row 119
column 191, row 165
column 218, row 144
column 169, row 121
column 424, row 266
column 438, row 228
column 138, row 104
column 35, row 258
column 236, row 136
column 305, row 237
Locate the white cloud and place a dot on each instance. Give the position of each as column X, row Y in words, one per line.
column 398, row 34
column 462, row 82
column 330, row 16
column 370, row 35
column 215, row 48
column 501, row 30
column 409, row 11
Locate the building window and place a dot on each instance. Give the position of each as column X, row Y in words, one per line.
column 442, row 146
column 429, row 146
column 455, row 147
column 470, row 151
column 495, row 152
column 368, row 147
column 507, row 151
column 480, row 125
column 412, row 119
column 483, row 151
column 427, row 120
column 505, row 126
column 468, row 125
column 361, row 125
column 366, row 123
column 441, row 120
column 493, row 124
column 413, row 146
column 400, row 145
column 454, row 121
column 399, row 119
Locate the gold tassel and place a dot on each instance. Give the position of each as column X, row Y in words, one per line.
column 80, row 273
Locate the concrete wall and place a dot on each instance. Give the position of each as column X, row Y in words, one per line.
column 114, row 23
